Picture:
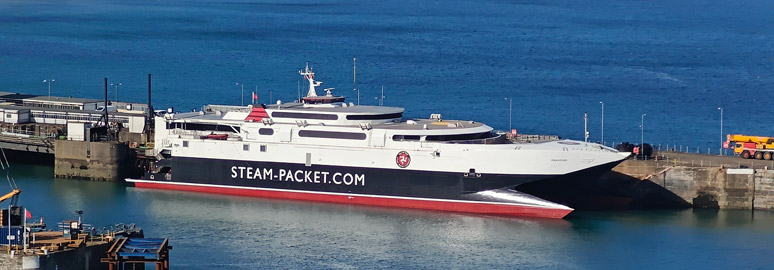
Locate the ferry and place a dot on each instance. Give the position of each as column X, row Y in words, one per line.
column 321, row 148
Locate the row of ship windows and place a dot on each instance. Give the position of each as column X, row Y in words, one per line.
column 362, row 136
column 332, row 134
column 245, row 147
column 323, row 116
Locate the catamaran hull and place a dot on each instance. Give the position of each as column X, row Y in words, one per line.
column 445, row 191
column 477, row 207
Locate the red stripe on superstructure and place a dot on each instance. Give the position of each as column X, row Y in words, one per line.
column 467, row 207
column 257, row 114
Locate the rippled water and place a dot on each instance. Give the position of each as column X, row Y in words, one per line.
column 230, row 232
column 676, row 61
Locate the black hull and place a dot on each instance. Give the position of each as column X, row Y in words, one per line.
column 458, row 192
column 339, row 179
column 579, row 190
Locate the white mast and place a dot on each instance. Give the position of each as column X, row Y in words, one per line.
column 309, row 76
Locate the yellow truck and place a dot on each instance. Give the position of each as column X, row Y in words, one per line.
column 746, row 146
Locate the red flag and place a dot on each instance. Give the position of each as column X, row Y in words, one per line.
column 255, row 97
column 27, row 213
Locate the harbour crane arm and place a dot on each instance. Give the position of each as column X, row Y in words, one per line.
column 10, row 195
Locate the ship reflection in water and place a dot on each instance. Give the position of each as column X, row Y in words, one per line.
column 270, row 233
column 231, row 232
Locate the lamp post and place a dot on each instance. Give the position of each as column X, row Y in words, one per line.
column 510, row 114
column 642, row 137
column 243, row 93
column 586, row 127
column 116, row 85
column 603, row 122
column 721, row 130
column 354, row 79
column 49, row 81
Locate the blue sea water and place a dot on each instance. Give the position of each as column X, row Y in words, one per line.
column 675, row 61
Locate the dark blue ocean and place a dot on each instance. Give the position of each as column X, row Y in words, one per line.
column 675, row 61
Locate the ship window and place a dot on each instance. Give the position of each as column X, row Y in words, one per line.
column 185, row 143
column 202, row 127
column 405, row 137
column 374, row 116
column 317, row 116
column 266, row 131
column 332, row 134
column 263, row 148
column 459, row 137
column 246, row 147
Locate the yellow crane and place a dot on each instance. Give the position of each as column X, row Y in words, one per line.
column 11, row 194
column 757, row 147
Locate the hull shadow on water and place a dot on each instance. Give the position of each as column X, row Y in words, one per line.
column 29, row 158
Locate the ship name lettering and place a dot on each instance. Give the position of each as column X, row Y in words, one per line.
column 299, row 176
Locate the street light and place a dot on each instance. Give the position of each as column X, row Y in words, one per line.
column 510, row 114
column 603, row 122
column 585, row 127
column 721, row 130
column 49, row 81
column 116, row 85
column 243, row 92
column 642, row 138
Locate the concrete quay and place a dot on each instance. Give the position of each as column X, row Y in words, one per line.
column 51, row 251
column 707, row 181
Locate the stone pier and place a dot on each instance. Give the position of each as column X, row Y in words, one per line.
column 706, row 186
column 102, row 161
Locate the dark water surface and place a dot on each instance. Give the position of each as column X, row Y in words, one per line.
column 230, row 232
column 676, row 61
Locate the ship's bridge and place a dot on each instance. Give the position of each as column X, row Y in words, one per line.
column 437, row 130
column 342, row 114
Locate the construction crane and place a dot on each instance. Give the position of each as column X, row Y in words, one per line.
column 757, row 147
column 13, row 194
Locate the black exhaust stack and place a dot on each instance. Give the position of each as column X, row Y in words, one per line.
column 106, row 103
column 149, row 119
column 150, row 107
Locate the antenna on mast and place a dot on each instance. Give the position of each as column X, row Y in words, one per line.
column 309, row 76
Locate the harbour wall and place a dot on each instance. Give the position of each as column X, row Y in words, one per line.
column 706, row 185
column 102, row 161
column 86, row 257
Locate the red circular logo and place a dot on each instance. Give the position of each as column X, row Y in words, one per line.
column 403, row 159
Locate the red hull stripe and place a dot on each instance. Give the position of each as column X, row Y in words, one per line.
column 489, row 208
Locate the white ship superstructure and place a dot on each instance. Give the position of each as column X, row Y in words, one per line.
column 323, row 149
